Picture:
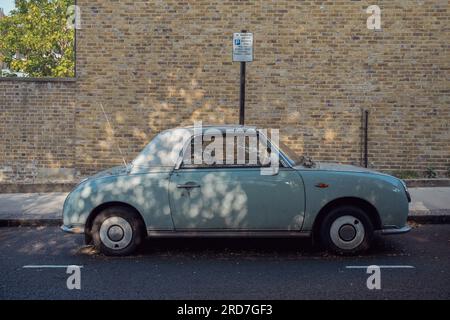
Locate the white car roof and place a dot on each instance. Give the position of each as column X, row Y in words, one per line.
column 164, row 149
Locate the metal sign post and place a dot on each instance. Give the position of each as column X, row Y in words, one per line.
column 242, row 95
column 243, row 53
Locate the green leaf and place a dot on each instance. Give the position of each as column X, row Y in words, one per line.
column 35, row 40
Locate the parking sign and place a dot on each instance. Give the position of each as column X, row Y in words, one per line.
column 243, row 46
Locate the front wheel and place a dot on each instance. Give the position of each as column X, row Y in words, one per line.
column 117, row 231
column 347, row 230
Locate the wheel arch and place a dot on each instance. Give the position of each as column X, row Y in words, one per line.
column 103, row 206
column 349, row 201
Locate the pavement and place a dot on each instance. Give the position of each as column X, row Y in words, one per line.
column 34, row 263
column 430, row 204
column 32, row 206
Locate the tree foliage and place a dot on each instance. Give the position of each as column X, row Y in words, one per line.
column 35, row 40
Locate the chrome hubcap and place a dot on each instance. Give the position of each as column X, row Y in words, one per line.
column 116, row 233
column 347, row 232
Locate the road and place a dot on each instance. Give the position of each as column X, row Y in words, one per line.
column 223, row 268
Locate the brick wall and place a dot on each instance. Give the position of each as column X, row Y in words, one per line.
column 159, row 64
column 37, row 128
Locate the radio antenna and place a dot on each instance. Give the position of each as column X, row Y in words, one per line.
column 112, row 131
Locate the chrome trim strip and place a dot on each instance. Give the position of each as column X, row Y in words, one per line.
column 226, row 233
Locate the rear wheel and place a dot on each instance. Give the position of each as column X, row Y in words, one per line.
column 347, row 230
column 117, row 231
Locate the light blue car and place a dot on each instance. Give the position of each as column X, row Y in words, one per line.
column 169, row 191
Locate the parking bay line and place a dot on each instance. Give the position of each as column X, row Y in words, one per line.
column 381, row 267
column 50, row 266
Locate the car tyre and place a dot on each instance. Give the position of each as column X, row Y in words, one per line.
column 117, row 231
column 347, row 230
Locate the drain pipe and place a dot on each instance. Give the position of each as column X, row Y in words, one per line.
column 366, row 137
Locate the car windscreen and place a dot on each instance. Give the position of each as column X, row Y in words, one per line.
column 293, row 157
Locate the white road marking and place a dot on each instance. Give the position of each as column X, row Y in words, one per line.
column 49, row 266
column 381, row 267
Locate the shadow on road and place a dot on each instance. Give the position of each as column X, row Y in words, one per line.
column 50, row 241
column 280, row 247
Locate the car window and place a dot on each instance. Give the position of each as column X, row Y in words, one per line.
column 228, row 152
column 164, row 149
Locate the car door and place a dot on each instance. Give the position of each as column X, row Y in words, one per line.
column 235, row 197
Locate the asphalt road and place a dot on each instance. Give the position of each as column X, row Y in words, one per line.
column 223, row 268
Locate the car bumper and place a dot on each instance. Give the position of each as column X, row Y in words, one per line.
column 388, row 230
column 72, row 229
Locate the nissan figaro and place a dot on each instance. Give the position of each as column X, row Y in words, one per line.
column 178, row 187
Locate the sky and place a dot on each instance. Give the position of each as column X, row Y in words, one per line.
column 7, row 5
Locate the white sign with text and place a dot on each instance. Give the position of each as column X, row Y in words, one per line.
column 243, row 47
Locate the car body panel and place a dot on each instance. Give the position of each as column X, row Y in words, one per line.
column 384, row 192
column 230, row 199
column 146, row 192
column 237, row 198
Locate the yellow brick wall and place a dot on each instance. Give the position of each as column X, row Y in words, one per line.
column 37, row 123
column 159, row 64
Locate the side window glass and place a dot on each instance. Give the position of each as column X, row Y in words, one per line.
column 188, row 156
column 203, row 153
column 232, row 152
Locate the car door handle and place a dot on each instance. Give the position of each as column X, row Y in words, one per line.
column 188, row 185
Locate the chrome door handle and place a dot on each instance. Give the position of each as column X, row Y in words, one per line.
column 188, row 185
